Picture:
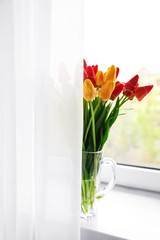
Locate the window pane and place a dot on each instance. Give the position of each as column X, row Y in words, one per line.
column 126, row 34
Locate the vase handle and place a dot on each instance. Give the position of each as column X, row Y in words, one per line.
column 107, row 186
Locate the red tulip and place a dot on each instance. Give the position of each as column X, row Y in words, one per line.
column 118, row 89
column 132, row 83
column 91, row 75
column 117, row 72
column 89, row 72
column 95, row 68
column 128, row 93
column 141, row 92
column 117, row 82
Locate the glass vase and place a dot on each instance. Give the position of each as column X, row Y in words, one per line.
column 91, row 187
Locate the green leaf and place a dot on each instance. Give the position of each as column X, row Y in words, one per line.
column 93, row 127
column 127, row 109
column 105, row 134
column 95, row 102
column 121, row 114
column 99, row 110
column 109, row 122
column 114, row 113
column 102, row 118
column 100, row 125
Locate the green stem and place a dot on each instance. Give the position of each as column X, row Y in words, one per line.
column 90, row 121
column 125, row 100
column 93, row 127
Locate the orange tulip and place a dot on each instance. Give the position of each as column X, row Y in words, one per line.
column 99, row 78
column 89, row 92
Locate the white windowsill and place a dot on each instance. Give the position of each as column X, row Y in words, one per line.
column 125, row 213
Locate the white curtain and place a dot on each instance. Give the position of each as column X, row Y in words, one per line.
column 40, row 119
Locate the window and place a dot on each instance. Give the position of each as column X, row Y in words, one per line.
column 126, row 34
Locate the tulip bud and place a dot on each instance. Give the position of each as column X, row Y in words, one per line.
column 141, row 92
column 99, row 78
column 110, row 74
column 89, row 92
column 118, row 89
column 132, row 83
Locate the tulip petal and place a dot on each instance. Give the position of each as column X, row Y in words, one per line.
column 141, row 92
column 85, row 75
column 84, row 64
column 89, row 92
column 95, row 69
column 117, row 72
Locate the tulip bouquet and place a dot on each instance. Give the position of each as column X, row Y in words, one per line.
column 103, row 96
column 102, row 102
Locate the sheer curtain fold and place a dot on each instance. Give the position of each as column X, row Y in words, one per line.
column 7, row 124
column 41, row 119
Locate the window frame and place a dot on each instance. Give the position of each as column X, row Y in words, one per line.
column 136, row 177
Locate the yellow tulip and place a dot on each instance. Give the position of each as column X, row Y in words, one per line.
column 110, row 74
column 89, row 92
column 99, row 78
column 109, row 84
column 106, row 90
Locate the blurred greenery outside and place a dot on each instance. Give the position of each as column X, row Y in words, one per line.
column 134, row 138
